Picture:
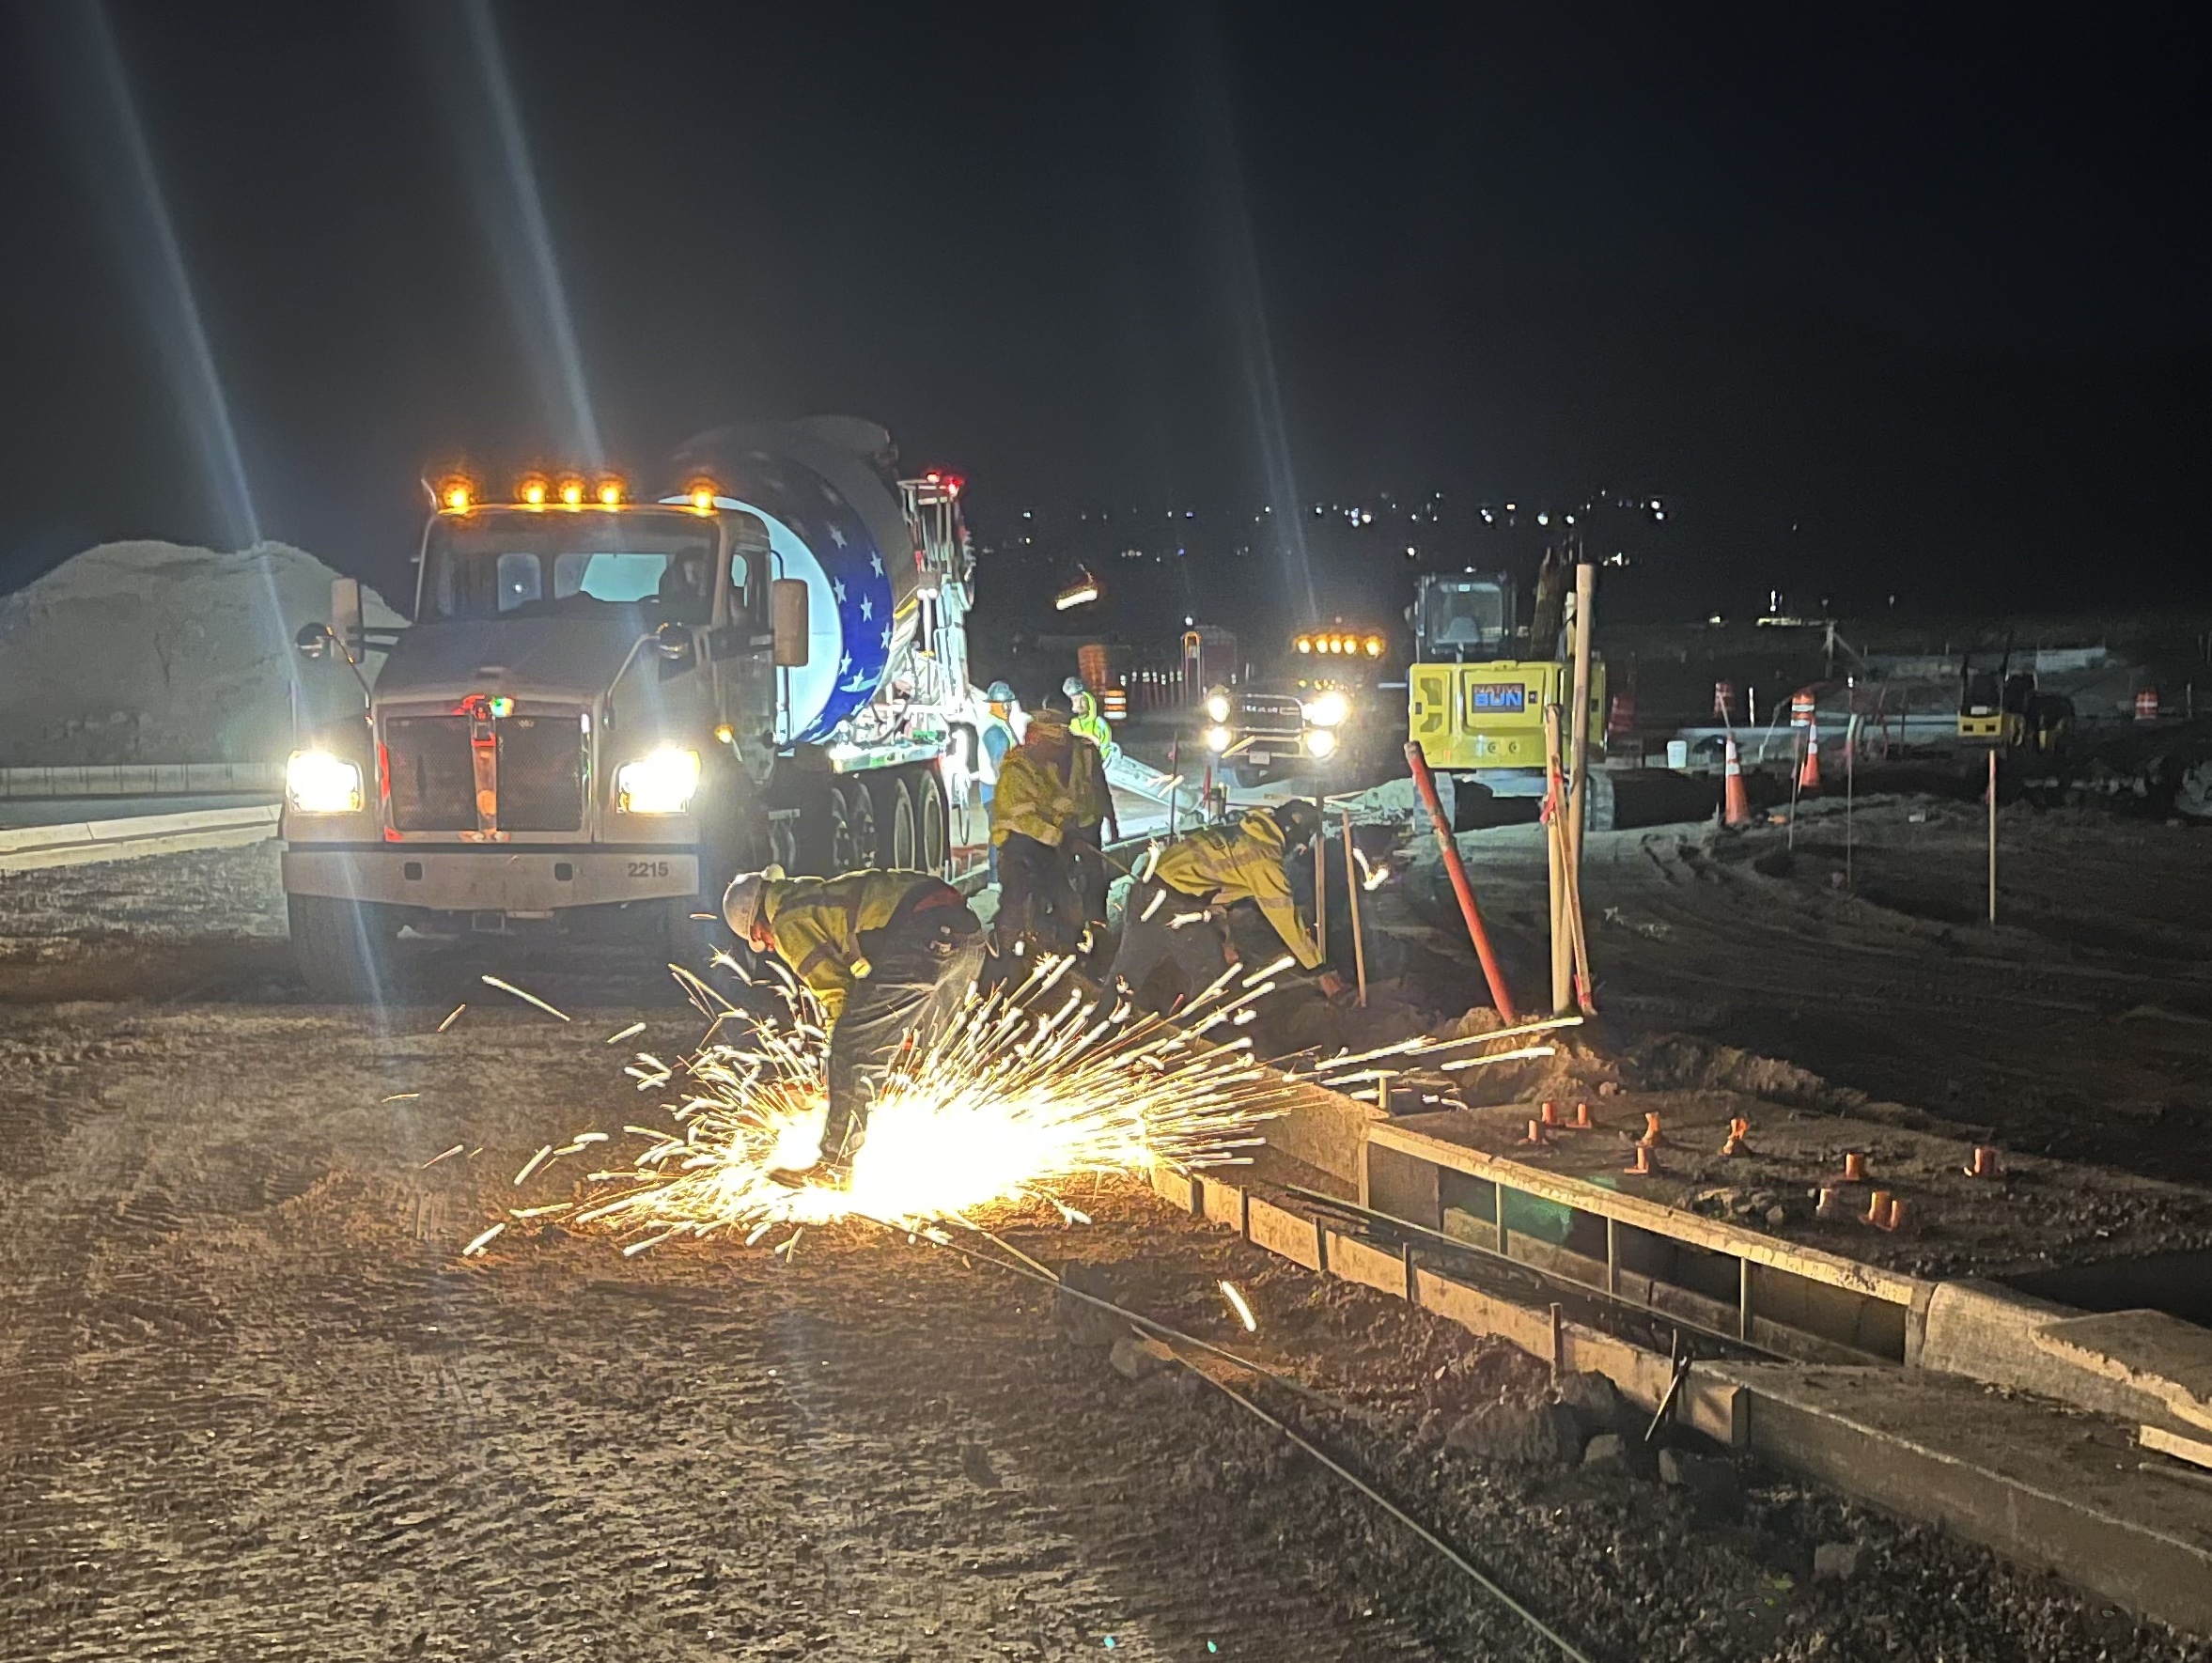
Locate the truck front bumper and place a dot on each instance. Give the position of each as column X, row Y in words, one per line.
column 488, row 878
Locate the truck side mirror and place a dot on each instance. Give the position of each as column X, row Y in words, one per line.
column 672, row 641
column 788, row 599
column 314, row 640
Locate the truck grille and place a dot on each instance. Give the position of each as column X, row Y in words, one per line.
column 1270, row 715
column 541, row 773
column 433, row 779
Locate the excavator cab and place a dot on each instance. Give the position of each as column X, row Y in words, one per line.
column 2008, row 709
column 1474, row 702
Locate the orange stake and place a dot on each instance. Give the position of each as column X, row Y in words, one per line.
column 1425, row 782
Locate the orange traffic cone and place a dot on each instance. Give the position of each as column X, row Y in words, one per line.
column 1736, row 803
column 1809, row 775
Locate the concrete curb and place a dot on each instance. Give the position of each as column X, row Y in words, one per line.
column 25, row 848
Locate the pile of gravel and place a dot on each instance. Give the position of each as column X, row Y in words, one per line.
column 155, row 652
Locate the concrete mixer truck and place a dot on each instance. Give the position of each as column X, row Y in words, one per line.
column 605, row 708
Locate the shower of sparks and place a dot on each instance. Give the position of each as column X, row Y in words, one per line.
column 525, row 998
column 629, row 1032
column 1023, row 1089
column 1242, row 1308
column 1021, row 1092
column 452, row 1016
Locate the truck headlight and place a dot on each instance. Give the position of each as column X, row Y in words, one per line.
column 661, row 783
column 1217, row 738
column 1320, row 742
column 317, row 783
column 1217, row 708
column 1330, row 709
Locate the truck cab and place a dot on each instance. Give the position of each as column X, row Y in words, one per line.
column 604, row 708
column 580, row 720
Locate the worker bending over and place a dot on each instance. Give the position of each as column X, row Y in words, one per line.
column 888, row 954
column 1178, row 915
column 1042, row 794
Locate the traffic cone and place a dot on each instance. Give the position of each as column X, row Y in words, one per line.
column 1735, row 802
column 1809, row 775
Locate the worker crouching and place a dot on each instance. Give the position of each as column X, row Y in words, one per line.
column 889, row 954
column 1175, row 940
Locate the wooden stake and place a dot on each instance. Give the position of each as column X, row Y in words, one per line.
column 1351, row 882
column 1992, row 834
column 1321, row 891
column 1585, row 609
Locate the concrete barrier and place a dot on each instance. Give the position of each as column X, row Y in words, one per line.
column 142, row 779
column 26, row 848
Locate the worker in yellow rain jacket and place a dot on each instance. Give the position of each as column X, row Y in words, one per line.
column 888, row 954
column 1177, row 916
column 1095, row 818
column 1043, row 790
column 1088, row 722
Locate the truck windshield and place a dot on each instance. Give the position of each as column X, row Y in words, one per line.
column 535, row 563
column 1464, row 621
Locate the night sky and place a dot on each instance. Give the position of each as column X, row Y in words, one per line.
column 1930, row 295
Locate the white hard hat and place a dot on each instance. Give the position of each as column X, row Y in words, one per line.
column 740, row 902
column 1072, row 686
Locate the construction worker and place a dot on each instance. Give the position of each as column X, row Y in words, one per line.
column 1087, row 721
column 997, row 737
column 888, row 954
column 1178, row 915
column 1043, row 791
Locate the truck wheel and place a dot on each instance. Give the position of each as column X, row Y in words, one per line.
column 935, row 818
column 342, row 949
column 895, row 823
column 853, row 827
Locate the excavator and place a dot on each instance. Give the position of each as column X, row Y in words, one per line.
column 2006, row 709
column 1478, row 685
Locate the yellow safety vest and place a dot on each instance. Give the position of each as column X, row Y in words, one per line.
column 817, row 923
column 1033, row 799
column 1241, row 863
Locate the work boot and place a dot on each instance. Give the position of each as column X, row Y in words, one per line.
column 825, row 1173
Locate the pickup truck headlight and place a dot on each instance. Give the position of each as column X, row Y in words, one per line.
column 661, row 783
column 1320, row 743
column 317, row 783
column 1217, row 706
column 1330, row 709
column 1217, row 738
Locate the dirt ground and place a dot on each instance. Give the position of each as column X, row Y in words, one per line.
column 2079, row 1026
column 256, row 1404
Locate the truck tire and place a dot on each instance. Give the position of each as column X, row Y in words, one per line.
column 897, row 843
column 342, row 949
column 935, row 820
column 853, row 827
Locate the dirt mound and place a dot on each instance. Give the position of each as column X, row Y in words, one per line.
column 155, row 652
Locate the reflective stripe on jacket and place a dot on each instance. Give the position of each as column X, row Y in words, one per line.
column 1241, row 863
column 816, row 922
